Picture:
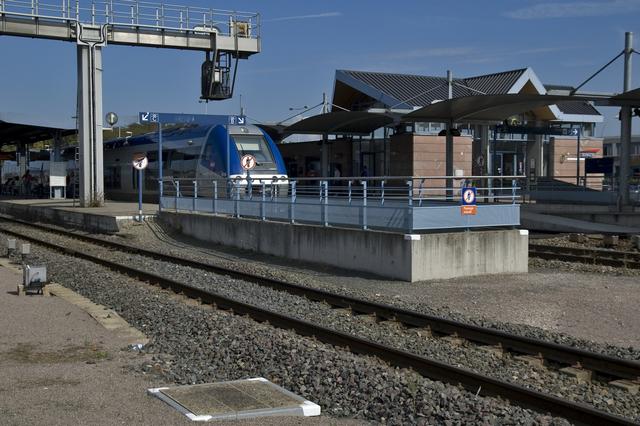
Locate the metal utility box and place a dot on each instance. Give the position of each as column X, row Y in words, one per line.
column 34, row 279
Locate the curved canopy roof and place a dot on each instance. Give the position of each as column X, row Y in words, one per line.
column 486, row 108
column 630, row 98
column 17, row 128
column 341, row 122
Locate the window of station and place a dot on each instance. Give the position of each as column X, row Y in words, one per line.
column 257, row 146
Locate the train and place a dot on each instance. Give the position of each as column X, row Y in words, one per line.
column 190, row 152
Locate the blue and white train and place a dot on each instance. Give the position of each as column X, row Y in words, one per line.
column 191, row 152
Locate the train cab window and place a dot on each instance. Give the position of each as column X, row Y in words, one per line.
column 257, row 146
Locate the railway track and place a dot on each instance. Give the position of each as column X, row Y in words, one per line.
column 618, row 259
column 609, row 366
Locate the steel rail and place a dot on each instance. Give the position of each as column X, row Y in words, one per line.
column 607, row 365
column 584, row 255
column 474, row 382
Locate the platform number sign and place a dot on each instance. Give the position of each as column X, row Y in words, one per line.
column 239, row 120
column 149, row 117
column 469, row 201
column 248, row 161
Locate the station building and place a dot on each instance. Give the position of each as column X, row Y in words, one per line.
column 611, row 148
column 418, row 149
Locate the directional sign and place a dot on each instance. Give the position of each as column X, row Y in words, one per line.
column 248, row 161
column 239, row 120
column 149, row 117
column 140, row 160
column 469, row 201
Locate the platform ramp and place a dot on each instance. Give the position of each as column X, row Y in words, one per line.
column 551, row 223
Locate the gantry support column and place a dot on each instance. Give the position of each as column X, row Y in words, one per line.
column 90, row 124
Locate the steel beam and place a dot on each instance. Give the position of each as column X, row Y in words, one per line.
column 66, row 30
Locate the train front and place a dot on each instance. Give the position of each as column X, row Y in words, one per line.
column 223, row 154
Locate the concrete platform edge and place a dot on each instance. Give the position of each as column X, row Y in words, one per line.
column 391, row 255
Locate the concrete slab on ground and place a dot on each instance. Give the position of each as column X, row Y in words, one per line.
column 234, row 400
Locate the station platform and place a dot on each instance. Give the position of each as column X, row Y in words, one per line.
column 579, row 218
column 106, row 219
column 60, row 366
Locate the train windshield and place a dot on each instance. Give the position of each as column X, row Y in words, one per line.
column 257, row 146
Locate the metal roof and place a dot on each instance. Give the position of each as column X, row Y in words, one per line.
column 578, row 108
column 420, row 90
column 16, row 128
column 341, row 122
column 485, row 108
column 413, row 91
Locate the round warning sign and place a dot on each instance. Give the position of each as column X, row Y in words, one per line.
column 469, row 196
column 248, row 161
column 140, row 160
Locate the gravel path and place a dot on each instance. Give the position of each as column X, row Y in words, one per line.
column 193, row 344
column 469, row 356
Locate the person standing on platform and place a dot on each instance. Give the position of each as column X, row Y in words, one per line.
column 26, row 182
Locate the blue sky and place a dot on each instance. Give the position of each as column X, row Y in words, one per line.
column 304, row 42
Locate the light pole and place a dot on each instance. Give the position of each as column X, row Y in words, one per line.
column 206, row 105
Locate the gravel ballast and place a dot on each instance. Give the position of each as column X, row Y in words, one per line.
column 193, row 344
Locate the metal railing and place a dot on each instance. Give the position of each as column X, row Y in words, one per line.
column 139, row 14
column 391, row 203
column 598, row 189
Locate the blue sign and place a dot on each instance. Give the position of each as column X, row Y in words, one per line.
column 149, row 117
column 469, row 196
column 203, row 119
column 239, row 120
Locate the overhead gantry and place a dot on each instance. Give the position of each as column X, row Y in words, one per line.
column 224, row 36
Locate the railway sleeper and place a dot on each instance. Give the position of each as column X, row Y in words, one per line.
column 581, row 375
column 536, row 361
column 631, row 386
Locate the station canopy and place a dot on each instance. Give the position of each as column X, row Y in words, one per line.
column 341, row 123
column 487, row 108
column 630, row 98
column 19, row 129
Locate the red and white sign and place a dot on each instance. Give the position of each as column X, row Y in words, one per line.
column 248, row 161
column 140, row 160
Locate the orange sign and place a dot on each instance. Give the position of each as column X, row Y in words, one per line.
column 464, row 210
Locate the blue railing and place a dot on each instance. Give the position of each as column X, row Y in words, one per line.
column 404, row 204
